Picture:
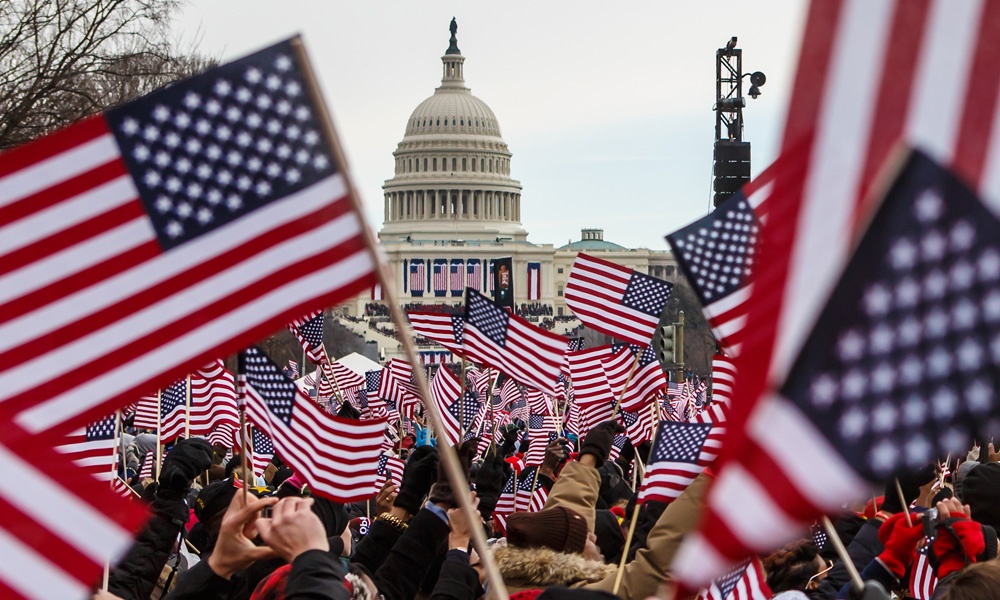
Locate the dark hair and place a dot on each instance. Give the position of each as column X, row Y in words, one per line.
column 791, row 567
column 978, row 581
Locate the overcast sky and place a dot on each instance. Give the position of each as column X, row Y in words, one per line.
column 607, row 109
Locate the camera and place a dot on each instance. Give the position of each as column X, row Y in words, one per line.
column 931, row 521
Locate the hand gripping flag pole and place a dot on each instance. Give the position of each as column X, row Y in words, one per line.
column 448, row 454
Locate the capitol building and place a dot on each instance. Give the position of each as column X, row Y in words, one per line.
column 452, row 208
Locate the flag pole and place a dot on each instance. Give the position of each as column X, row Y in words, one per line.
column 159, row 429
column 336, row 386
column 115, row 457
column 448, row 455
column 241, row 399
column 187, row 408
column 631, row 372
column 653, row 410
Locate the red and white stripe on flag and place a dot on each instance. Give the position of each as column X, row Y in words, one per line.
column 871, row 74
column 746, row 583
column 616, row 300
column 214, row 413
column 122, row 275
column 446, row 389
column 923, row 580
column 60, row 524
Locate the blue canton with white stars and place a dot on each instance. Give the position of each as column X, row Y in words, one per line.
column 527, row 481
column 279, row 392
column 487, row 317
column 902, row 364
column 728, row 582
column 372, row 380
column 101, row 430
column 457, row 327
column 173, row 396
column 680, row 442
column 646, row 294
column 717, row 251
column 217, row 146
column 261, row 443
column 466, row 407
column 312, row 331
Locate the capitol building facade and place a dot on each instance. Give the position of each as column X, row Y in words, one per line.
column 452, row 208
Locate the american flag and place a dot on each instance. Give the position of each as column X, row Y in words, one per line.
column 172, row 404
column 510, row 392
column 598, row 376
column 441, row 278
column 923, row 579
column 680, row 452
column 746, row 581
column 526, row 353
column 870, row 75
column 92, row 448
column 638, row 426
column 902, row 355
column 339, row 377
column 538, row 402
column 617, row 445
column 148, row 469
column 474, row 275
column 506, row 503
column 293, row 369
column 572, row 423
column 397, row 386
column 309, row 331
column 541, row 431
column 61, row 525
column 457, row 278
column 442, row 328
column 723, row 379
column 214, row 413
column 530, row 494
column 261, row 451
column 335, row 456
column 143, row 242
column 418, row 275
column 716, row 255
column 481, row 380
column 519, row 410
column 616, row 300
column 648, row 379
column 453, row 405
column 391, row 466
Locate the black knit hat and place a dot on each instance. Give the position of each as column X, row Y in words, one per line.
column 559, row 528
column 981, row 491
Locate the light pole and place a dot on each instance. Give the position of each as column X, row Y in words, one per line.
column 731, row 153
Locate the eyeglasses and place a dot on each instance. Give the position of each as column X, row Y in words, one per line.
column 813, row 581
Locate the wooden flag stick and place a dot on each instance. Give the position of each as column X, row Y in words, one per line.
column 448, row 455
column 159, row 428
column 902, row 503
column 187, row 407
column 654, row 411
column 336, row 386
column 845, row 558
column 621, row 396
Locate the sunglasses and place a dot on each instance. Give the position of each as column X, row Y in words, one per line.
column 813, row 581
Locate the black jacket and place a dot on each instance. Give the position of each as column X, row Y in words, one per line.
column 315, row 575
column 136, row 575
column 457, row 580
column 401, row 560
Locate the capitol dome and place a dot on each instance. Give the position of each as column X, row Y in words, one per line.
column 452, row 169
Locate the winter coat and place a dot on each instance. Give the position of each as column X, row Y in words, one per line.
column 531, row 568
column 315, row 575
column 577, row 489
column 457, row 580
column 401, row 560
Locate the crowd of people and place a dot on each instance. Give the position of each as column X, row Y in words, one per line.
column 376, row 309
column 276, row 540
column 535, row 309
